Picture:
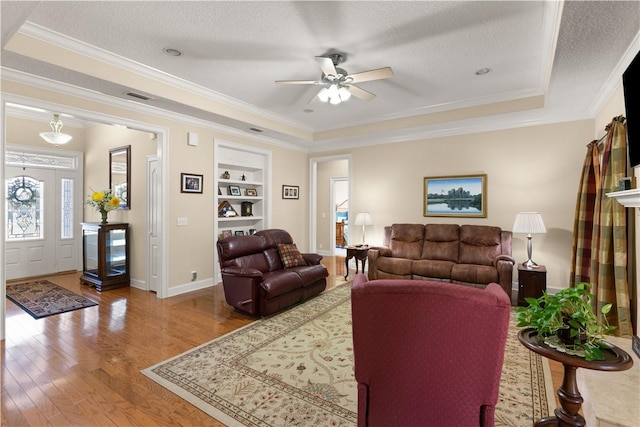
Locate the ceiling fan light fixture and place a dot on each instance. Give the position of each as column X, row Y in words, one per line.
column 56, row 137
column 323, row 95
column 345, row 94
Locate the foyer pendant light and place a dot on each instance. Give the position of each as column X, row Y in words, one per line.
column 55, row 136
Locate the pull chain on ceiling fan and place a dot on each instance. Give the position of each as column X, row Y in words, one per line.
column 339, row 85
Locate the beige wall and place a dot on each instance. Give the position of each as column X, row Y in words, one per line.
column 99, row 140
column 528, row 169
column 190, row 247
column 531, row 168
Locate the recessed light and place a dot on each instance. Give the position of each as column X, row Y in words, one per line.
column 483, row 71
column 172, row 52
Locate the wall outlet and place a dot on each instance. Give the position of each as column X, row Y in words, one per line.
column 320, row 245
column 194, row 276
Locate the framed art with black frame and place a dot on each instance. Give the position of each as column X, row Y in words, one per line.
column 290, row 192
column 190, row 183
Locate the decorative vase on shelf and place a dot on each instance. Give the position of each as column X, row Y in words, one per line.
column 104, row 214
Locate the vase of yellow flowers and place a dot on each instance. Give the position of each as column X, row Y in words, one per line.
column 103, row 201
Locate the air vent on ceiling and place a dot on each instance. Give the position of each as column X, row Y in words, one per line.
column 138, row 96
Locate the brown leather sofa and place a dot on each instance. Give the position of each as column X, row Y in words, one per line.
column 473, row 255
column 255, row 279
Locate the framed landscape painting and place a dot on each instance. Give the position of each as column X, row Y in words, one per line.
column 461, row 195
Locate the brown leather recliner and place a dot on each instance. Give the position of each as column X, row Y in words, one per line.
column 255, row 279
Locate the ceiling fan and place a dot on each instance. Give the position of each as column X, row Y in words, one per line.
column 339, row 85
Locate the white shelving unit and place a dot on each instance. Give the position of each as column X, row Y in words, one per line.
column 249, row 168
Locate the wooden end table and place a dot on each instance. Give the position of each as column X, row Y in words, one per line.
column 616, row 359
column 357, row 252
column 532, row 282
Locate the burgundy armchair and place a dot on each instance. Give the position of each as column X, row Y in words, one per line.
column 427, row 353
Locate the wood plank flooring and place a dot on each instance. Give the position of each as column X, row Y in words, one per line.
column 83, row 367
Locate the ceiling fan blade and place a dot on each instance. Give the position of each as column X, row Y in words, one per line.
column 361, row 93
column 326, row 64
column 298, row 82
column 365, row 76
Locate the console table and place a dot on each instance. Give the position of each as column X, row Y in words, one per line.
column 616, row 359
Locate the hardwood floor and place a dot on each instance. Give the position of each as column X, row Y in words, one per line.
column 83, row 367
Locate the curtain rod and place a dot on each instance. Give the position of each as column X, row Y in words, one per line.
column 620, row 119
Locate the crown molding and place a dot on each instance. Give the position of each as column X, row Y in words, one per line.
column 41, row 33
column 78, row 92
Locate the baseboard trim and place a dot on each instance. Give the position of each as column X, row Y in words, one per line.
column 190, row 287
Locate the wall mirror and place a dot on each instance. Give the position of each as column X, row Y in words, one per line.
column 120, row 174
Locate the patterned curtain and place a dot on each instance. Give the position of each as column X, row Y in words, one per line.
column 600, row 228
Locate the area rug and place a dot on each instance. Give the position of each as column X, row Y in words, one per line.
column 296, row 368
column 43, row 298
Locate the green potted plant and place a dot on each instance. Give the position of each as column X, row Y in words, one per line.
column 567, row 322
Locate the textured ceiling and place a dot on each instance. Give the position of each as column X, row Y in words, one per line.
column 550, row 61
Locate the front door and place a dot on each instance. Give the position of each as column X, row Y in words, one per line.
column 43, row 211
column 30, row 220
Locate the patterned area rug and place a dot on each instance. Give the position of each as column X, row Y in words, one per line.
column 43, row 298
column 296, row 368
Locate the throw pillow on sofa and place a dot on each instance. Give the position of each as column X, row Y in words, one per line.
column 290, row 255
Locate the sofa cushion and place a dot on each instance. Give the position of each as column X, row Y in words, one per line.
column 395, row 266
column 441, row 242
column 406, row 240
column 232, row 247
column 432, row 268
column 473, row 273
column 311, row 273
column 479, row 244
column 279, row 283
column 273, row 259
column 290, row 255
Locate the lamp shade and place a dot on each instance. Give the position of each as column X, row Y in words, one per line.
column 363, row 218
column 529, row 223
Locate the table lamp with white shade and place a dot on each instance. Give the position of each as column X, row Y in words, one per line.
column 529, row 223
column 363, row 219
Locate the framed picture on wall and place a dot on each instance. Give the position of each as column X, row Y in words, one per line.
column 461, row 196
column 190, row 183
column 290, row 192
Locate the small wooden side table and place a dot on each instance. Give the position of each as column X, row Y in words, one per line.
column 616, row 359
column 359, row 253
column 532, row 282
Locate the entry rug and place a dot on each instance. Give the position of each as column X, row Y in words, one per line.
column 43, row 298
column 296, row 368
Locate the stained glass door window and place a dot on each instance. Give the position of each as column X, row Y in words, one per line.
column 24, row 208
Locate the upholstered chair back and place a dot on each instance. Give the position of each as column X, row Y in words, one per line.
column 427, row 353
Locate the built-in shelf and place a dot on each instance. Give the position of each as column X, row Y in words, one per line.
column 627, row 198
